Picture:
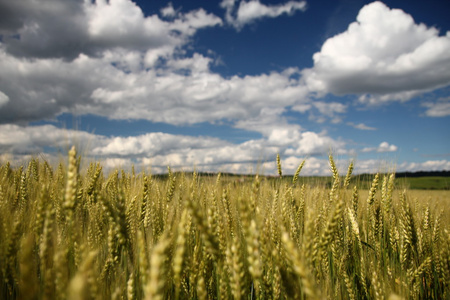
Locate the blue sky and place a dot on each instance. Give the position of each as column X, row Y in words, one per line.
column 226, row 85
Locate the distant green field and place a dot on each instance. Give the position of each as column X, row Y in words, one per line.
column 426, row 183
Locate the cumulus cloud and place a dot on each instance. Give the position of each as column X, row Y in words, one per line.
column 440, row 108
column 290, row 139
column 382, row 56
column 267, row 121
column 169, row 11
column 311, row 143
column 330, row 108
column 185, row 92
column 429, row 165
column 17, row 139
column 250, row 11
column 160, row 150
column 152, row 144
column 383, row 147
column 321, row 111
column 66, row 29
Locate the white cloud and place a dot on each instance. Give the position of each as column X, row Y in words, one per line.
column 267, row 121
column 361, row 126
column 321, row 111
column 213, row 157
column 382, row 56
column 311, row 143
column 440, row 108
column 371, row 166
column 327, row 110
column 250, row 11
column 194, row 65
column 383, row 147
column 121, row 23
column 193, row 96
column 113, row 163
column 160, row 150
column 16, row 139
column 228, row 5
column 330, row 108
column 185, row 151
column 184, row 92
column 3, row 99
column 284, row 136
column 288, row 138
column 193, row 20
column 430, row 165
column 152, row 144
column 168, row 11
column 302, row 107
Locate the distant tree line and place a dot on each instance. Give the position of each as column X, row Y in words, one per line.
column 423, row 174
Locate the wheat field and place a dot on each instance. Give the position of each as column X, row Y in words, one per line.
column 68, row 233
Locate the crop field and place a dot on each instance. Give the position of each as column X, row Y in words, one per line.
column 73, row 233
